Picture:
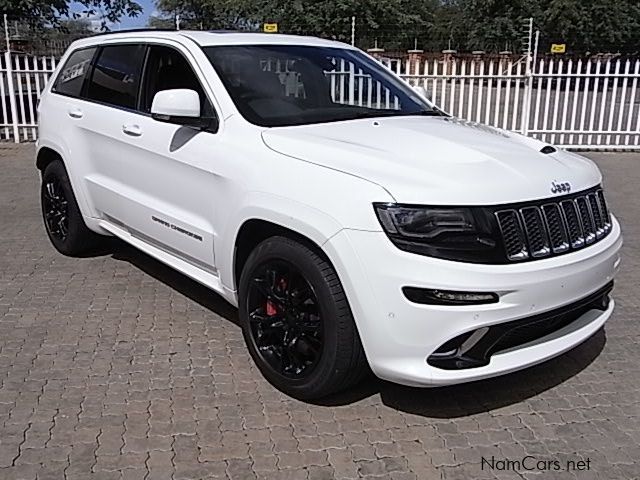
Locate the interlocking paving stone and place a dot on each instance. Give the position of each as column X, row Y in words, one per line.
column 116, row 367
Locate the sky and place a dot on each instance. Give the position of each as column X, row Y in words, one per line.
column 148, row 9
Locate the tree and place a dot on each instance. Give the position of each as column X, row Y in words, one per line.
column 593, row 25
column 51, row 12
column 396, row 22
column 584, row 25
column 465, row 25
column 490, row 25
column 80, row 27
column 207, row 14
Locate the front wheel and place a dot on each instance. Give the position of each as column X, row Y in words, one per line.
column 297, row 322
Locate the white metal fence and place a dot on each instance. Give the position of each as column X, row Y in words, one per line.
column 581, row 104
column 584, row 103
column 22, row 78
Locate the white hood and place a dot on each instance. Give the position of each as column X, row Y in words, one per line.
column 436, row 160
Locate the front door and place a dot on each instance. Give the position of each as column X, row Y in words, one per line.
column 153, row 178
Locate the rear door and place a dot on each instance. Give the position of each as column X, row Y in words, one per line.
column 60, row 124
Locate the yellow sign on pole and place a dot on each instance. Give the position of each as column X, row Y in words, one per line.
column 558, row 48
column 270, row 28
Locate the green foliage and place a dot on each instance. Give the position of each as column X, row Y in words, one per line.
column 207, row 14
column 584, row 25
column 593, row 25
column 52, row 12
column 465, row 25
column 396, row 22
column 80, row 27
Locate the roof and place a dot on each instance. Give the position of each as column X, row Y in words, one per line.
column 211, row 38
column 236, row 38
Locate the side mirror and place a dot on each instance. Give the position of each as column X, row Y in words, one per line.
column 180, row 106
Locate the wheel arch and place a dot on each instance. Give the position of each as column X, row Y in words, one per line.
column 253, row 231
column 45, row 156
column 50, row 150
column 262, row 215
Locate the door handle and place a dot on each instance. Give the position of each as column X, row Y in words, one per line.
column 75, row 113
column 132, row 130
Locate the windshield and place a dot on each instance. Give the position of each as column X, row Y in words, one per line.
column 281, row 85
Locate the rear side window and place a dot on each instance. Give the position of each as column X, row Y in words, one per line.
column 73, row 73
column 116, row 75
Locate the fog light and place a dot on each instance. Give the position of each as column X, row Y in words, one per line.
column 448, row 297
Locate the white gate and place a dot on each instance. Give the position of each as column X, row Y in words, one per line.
column 579, row 104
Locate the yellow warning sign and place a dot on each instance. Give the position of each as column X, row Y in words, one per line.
column 270, row 28
column 558, row 48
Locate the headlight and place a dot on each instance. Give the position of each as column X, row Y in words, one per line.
column 466, row 234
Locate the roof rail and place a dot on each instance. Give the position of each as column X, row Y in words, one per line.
column 131, row 30
column 257, row 32
column 228, row 30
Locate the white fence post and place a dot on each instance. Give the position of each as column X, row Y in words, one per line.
column 12, row 94
column 12, row 97
column 531, row 63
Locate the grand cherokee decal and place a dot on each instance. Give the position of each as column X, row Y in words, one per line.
column 176, row 228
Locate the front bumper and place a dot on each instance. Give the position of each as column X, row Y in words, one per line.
column 399, row 336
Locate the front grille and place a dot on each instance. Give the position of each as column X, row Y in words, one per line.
column 556, row 226
column 574, row 228
column 542, row 229
column 535, row 231
column 513, row 235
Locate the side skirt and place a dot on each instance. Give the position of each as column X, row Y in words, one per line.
column 207, row 277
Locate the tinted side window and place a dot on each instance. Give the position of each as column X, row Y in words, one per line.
column 116, row 75
column 167, row 69
column 73, row 73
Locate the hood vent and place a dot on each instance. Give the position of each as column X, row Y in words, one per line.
column 548, row 149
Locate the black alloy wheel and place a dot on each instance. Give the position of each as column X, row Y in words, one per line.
column 285, row 319
column 55, row 209
column 296, row 320
column 62, row 218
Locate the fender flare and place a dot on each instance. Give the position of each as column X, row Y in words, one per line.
column 305, row 220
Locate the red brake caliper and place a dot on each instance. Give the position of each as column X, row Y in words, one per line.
column 270, row 306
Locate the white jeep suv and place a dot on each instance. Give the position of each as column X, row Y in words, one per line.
column 352, row 223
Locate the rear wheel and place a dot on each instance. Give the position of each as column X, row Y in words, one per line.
column 297, row 322
column 62, row 218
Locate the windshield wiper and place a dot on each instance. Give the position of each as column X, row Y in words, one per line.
column 394, row 113
column 430, row 113
column 424, row 113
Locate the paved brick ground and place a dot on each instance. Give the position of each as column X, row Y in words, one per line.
column 117, row 367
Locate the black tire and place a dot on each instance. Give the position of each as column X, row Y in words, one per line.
column 341, row 362
column 66, row 228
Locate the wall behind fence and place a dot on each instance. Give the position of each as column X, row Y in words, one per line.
column 576, row 103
